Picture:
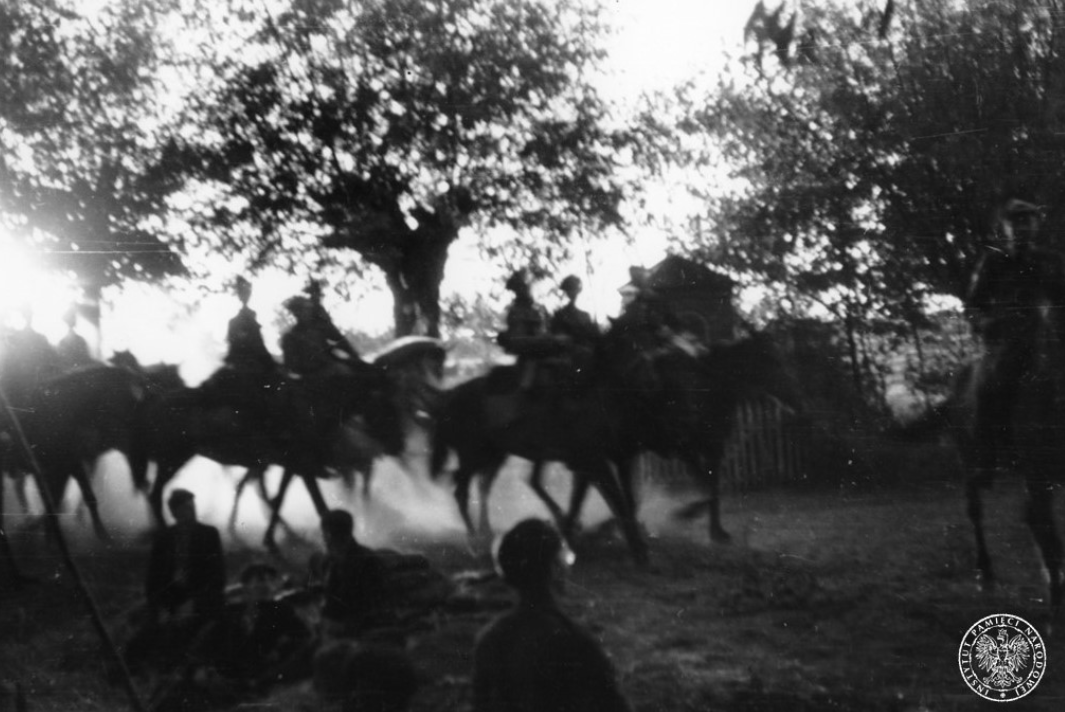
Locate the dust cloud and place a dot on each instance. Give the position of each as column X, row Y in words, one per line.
column 403, row 510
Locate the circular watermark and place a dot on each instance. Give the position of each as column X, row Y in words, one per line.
column 1002, row 657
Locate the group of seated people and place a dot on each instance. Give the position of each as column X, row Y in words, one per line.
column 336, row 630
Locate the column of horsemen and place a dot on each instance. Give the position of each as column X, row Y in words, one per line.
column 256, row 642
column 553, row 355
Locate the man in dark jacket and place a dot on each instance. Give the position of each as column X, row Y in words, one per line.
column 185, row 587
column 186, row 570
column 354, row 580
column 535, row 658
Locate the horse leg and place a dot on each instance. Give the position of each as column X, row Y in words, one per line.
column 718, row 535
column 7, row 556
column 979, row 480
column 310, row 481
column 704, row 466
column 275, row 509
column 82, row 475
column 600, row 474
column 250, row 474
column 536, row 481
column 1039, row 515
column 578, row 493
column 463, row 478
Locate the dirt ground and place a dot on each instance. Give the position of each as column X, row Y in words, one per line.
column 852, row 598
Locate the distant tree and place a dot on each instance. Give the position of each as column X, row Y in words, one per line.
column 385, row 127
column 83, row 172
column 865, row 168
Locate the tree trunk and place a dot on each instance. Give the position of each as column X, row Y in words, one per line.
column 415, row 276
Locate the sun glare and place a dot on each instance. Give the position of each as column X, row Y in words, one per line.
column 26, row 287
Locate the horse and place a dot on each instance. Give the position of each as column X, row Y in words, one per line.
column 340, row 422
column 1037, row 452
column 71, row 420
column 697, row 406
column 673, row 401
column 596, row 427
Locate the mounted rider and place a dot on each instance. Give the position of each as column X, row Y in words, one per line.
column 247, row 350
column 314, row 345
column 1011, row 282
column 27, row 359
column 249, row 379
column 576, row 327
column 526, row 335
column 73, row 349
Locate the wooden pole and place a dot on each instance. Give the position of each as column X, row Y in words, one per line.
column 52, row 521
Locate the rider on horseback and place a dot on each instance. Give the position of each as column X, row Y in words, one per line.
column 28, row 359
column 576, row 327
column 314, row 345
column 249, row 377
column 1010, row 283
column 247, row 351
column 526, row 334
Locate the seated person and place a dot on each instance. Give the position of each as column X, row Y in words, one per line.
column 534, row 658
column 353, row 580
column 186, row 570
column 185, row 585
column 261, row 640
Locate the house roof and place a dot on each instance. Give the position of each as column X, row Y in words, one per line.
column 676, row 272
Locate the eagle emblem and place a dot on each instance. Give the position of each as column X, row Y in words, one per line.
column 1002, row 657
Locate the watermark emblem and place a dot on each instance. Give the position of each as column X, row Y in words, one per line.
column 1002, row 658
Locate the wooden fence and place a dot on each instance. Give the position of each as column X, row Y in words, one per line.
column 768, row 446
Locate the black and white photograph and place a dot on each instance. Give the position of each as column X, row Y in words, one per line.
column 532, row 355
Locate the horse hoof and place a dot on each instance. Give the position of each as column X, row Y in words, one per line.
column 720, row 536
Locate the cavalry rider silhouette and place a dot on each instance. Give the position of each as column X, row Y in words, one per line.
column 526, row 334
column 1010, row 282
column 314, row 346
column 73, row 349
column 28, row 359
column 249, row 378
column 247, row 351
column 576, row 327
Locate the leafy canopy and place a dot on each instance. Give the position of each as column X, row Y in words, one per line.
column 82, row 165
column 867, row 154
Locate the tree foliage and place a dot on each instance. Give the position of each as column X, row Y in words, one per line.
column 82, row 168
column 385, row 127
column 868, row 152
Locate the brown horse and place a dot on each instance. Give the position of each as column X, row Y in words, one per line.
column 586, row 426
column 668, row 400
column 1037, row 450
column 312, row 427
column 72, row 420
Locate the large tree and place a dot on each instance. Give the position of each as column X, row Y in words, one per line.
column 82, row 167
column 387, row 126
column 869, row 149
